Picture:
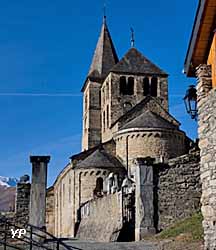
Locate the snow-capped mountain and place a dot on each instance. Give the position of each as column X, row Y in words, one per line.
column 8, row 181
column 7, row 193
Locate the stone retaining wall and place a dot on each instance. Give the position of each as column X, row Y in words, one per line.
column 102, row 220
column 22, row 203
column 178, row 189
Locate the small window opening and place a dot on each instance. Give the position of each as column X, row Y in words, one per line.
column 104, row 120
column 123, row 85
column 107, row 90
column 146, row 86
column 126, row 87
column 130, row 86
column 98, row 191
column 107, row 116
column 154, row 83
column 102, row 96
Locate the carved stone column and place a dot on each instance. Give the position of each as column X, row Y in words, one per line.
column 144, row 222
column 37, row 215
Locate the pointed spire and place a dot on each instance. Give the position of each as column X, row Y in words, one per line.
column 105, row 56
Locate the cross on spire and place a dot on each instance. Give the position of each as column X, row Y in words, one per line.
column 132, row 38
column 104, row 13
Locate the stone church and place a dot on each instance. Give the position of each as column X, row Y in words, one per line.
column 137, row 172
column 125, row 117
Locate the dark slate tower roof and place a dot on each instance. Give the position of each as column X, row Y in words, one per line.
column 134, row 62
column 105, row 56
column 149, row 120
column 99, row 159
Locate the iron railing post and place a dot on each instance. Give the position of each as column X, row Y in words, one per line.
column 5, row 236
column 57, row 245
column 5, row 241
column 30, row 247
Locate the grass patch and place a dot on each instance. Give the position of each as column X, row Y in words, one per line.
column 191, row 226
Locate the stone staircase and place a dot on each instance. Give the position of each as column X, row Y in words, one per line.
column 90, row 245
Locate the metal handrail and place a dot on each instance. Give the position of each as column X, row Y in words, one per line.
column 9, row 245
column 30, row 240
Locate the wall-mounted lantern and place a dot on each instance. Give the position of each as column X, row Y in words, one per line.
column 190, row 101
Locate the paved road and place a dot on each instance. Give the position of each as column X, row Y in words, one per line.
column 82, row 245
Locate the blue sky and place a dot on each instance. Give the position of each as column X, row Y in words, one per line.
column 46, row 48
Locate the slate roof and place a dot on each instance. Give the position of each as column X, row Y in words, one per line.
column 136, row 63
column 105, row 55
column 149, row 119
column 99, row 159
column 138, row 109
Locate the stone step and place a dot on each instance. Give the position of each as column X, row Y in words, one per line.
column 90, row 245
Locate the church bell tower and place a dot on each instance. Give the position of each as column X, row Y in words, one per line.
column 105, row 57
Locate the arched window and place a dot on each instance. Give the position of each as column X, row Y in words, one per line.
column 130, row 86
column 107, row 90
column 126, row 87
column 154, row 83
column 123, row 85
column 104, row 120
column 146, row 86
column 99, row 187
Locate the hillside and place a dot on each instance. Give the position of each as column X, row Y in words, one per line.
column 7, row 193
column 7, row 198
column 185, row 234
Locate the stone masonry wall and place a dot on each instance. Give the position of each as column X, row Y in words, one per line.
column 155, row 143
column 117, row 100
column 65, row 204
column 207, row 143
column 102, row 219
column 21, row 215
column 22, row 203
column 50, row 218
column 178, row 189
column 91, row 116
column 113, row 102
